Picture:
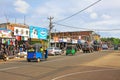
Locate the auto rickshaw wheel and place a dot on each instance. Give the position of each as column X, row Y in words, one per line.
column 5, row 58
column 38, row 59
column 28, row 60
column 45, row 59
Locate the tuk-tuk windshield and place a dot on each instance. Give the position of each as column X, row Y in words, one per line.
column 69, row 47
column 31, row 49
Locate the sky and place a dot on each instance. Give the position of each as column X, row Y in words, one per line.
column 103, row 17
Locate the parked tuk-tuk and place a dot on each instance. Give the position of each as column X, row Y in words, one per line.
column 71, row 49
column 34, row 53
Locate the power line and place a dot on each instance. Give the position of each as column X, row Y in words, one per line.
column 78, row 11
column 87, row 28
column 72, row 26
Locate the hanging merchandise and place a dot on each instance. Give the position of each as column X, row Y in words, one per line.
column 11, row 42
column 25, row 38
column 8, row 42
column 3, row 41
column 0, row 40
column 22, row 38
column 18, row 38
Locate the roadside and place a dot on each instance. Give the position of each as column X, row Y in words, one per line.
column 112, row 60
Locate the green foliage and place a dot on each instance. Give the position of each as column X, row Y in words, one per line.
column 115, row 41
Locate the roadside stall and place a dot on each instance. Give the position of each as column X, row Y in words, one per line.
column 7, row 43
column 21, row 34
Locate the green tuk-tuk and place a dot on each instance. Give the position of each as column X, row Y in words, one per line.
column 71, row 49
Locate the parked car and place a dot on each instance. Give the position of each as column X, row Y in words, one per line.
column 22, row 54
column 104, row 46
column 87, row 48
column 54, row 51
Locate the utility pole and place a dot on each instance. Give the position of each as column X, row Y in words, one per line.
column 55, row 37
column 50, row 28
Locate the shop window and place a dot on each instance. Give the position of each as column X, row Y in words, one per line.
column 16, row 31
column 26, row 32
column 22, row 32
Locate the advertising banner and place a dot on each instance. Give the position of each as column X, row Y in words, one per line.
column 5, row 34
column 38, row 32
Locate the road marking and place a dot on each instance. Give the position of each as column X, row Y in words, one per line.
column 63, row 76
column 4, row 69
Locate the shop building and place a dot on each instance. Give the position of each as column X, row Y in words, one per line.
column 19, row 31
column 73, row 37
column 13, row 35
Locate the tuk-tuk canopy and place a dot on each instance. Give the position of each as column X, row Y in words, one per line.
column 35, row 46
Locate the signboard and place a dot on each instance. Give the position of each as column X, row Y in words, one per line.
column 21, row 31
column 74, row 41
column 5, row 34
column 38, row 32
column 56, row 39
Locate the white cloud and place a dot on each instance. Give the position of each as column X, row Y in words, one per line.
column 21, row 6
column 104, row 16
column 94, row 15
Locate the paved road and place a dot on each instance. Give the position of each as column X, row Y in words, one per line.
column 103, row 65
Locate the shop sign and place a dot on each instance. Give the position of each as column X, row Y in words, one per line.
column 63, row 40
column 56, row 39
column 68, row 40
column 5, row 34
column 21, row 31
column 38, row 32
column 74, row 41
column 79, row 37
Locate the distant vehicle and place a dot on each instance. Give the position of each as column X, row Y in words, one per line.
column 22, row 54
column 54, row 51
column 96, row 45
column 71, row 49
column 104, row 46
column 87, row 48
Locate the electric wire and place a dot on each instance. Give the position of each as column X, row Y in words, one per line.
column 78, row 11
column 87, row 28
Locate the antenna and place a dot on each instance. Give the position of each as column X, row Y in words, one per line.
column 6, row 17
column 15, row 20
column 24, row 19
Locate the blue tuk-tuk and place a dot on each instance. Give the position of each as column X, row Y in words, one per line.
column 34, row 53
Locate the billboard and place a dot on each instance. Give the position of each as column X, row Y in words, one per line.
column 38, row 32
column 5, row 34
